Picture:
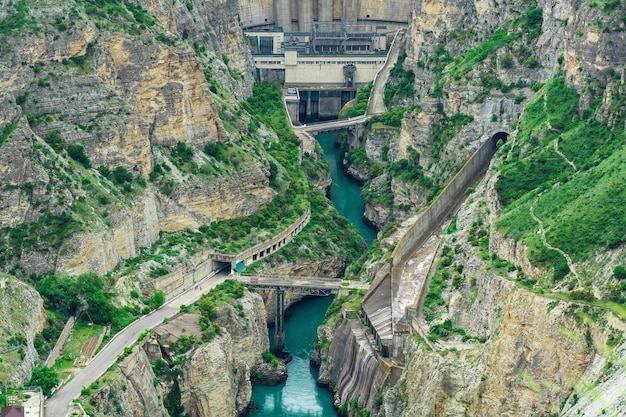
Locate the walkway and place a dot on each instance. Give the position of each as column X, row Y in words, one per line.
column 542, row 233
column 58, row 404
column 335, row 124
column 376, row 104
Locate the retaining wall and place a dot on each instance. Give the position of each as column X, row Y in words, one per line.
column 432, row 217
column 427, row 223
column 203, row 263
column 61, row 341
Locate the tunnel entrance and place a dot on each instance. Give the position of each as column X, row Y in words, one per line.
column 500, row 136
column 219, row 266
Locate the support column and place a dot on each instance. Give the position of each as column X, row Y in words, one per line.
column 325, row 10
column 305, row 14
column 279, row 336
column 283, row 14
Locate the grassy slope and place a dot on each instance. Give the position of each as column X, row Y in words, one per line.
column 582, row 210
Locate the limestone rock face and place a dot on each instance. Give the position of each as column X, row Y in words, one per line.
column 166, row 86
column 127, row 94
column 214, row 376
column 209, row 383
column 22, row 317
column 527, row 366
column 133, row 389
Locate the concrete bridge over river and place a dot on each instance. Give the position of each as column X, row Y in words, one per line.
column 318, row 286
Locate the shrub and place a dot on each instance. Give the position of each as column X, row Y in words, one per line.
column 619, row 272
column 104, row 170
column 77, row 152
column 44, row 377
column 216, row 150
column 55, row 140
column 121, row 175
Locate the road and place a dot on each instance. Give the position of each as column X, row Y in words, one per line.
column 58, row 404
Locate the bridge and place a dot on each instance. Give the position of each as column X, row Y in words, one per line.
column 318, row 286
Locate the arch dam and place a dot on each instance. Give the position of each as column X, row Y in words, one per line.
column 388, row 317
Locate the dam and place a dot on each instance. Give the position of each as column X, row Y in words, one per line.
column 321, row 51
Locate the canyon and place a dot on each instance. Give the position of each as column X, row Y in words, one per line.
column 515, row 311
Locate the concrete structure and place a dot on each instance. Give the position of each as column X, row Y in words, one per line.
column 27, row 402
column 260, row 250
column 297, row 15
column 304, row 285
column 377, row 304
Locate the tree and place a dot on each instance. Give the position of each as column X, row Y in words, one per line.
column 44, row 377
column 619, row 272
column 60, row 293
column 77, row 152
column 121, row 175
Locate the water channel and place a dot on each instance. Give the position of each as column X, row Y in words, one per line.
column 300, row 396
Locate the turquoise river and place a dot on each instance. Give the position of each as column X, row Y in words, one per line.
column 300, row 396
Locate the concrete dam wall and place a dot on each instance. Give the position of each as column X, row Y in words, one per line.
column 296, row 15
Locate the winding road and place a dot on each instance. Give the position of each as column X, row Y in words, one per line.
column 58, row 404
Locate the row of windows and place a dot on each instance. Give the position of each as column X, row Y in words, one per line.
column 340, row 62
column 322, row 62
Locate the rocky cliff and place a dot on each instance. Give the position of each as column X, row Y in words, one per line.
column 515, row 332
column 22, row 318
column 124, row 87
column 175, row 366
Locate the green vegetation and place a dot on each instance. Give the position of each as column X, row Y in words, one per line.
column 362, row 99
column 446, row 129
column 357, row 158
column 44, row 377
column 66, row 295
column 77, row 152
column 445, row 330
column 392, row 117
column 403, row 88
column 581, row 210
column 7, row 131
column 517, row 34
column 50, row 231
column 55, row 140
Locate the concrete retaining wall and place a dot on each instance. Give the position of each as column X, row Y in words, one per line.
column 426, row 224
column 203, row 263
column 61, row 341
column 174, row 283
column 444, row 204
column 285, row 13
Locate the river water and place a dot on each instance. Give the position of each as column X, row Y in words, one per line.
column 300, row 396
column 345, row 193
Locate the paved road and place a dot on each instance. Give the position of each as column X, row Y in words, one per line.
column 58, row 404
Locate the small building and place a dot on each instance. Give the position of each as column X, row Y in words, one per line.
column 13, row 411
